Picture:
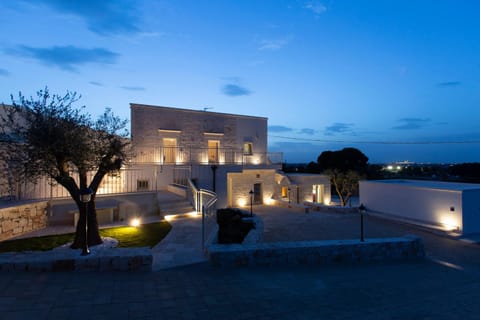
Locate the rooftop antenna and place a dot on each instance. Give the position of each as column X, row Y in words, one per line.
column 206, row 108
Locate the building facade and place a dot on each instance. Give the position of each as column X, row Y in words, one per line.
column 224, row 153
column 219, row 152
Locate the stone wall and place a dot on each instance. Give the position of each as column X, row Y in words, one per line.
column 20, row 219
column 324, row 252
column 111, row 259
column 240, row 184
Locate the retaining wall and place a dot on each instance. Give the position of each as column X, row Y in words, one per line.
column 316, row 252
column 20, row 219
column 113, row 259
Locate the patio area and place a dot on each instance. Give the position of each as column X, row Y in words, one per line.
column 290, row 224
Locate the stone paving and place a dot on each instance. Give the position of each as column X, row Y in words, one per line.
column 444, row 286
column 182, row 246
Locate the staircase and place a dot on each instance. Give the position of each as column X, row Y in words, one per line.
column 172, row 204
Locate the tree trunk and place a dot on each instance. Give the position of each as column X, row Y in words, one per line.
column 93, row 231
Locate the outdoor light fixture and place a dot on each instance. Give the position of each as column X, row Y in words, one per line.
column 362, row 211
column 85, row 197
column 251, row 203
column 135, row 222
column 289, row 199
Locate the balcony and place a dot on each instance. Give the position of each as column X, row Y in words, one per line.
column 204, row 156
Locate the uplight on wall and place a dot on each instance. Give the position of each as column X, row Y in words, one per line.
column 268, row 200
column 242, row 202
column 449, row 222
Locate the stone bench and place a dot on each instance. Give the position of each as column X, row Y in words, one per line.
column 105, row 215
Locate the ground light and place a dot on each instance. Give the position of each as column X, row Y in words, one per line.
column 135, row 222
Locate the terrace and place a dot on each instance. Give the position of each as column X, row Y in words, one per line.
column 205, row 156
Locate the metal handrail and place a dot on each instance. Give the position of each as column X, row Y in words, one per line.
column 206, row 210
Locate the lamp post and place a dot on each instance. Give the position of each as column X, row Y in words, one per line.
column 289, row 199
column 85, row 197
column 362, row 211
column 251, row 203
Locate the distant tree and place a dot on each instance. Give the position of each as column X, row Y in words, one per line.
column 46, row 136
column 466, row 171
column 312, row 167
column 345, row 168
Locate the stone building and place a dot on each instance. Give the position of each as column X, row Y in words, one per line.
column 224, row 153
column 219, row 152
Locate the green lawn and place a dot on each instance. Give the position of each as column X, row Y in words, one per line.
column 146, row 235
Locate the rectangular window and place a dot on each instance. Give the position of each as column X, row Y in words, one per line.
column 248, row 148
column 142, row 185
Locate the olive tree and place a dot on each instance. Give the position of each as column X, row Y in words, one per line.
column 46, row 136
column 345, row 168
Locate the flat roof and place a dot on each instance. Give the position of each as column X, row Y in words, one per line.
column 138, row 105
column 431, row 184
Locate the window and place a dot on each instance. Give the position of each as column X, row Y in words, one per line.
column 247, row 148
column 142, row 185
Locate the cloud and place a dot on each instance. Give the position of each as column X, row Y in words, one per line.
column 133, row 88
column 234, row 90
column 274, row 44
column 449, row 84
column 307, row 131
column 105, row 17
column 412, row 123
column 338, row 127
column 279, row 129
column 4, row 72
column 316, row 7
column 95, row 83
column 65, row 57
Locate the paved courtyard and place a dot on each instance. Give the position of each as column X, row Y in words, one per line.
column 444, row 286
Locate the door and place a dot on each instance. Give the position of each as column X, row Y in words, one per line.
column 257, row 193
column 213, row 146
column 169, row 150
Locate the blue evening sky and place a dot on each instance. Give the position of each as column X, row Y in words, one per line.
column 398, row 79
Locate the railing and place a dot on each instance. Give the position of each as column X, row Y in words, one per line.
column 203, row 201
column 208, row 215
column 127, row 180
column 180, row 155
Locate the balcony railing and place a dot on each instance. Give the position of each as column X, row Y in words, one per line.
column 221, row 156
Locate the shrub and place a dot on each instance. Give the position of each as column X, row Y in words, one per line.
column 232, row 228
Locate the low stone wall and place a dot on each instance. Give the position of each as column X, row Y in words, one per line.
column 113, row 259
column 330, row 209
column 20, row 219
column 324, row 252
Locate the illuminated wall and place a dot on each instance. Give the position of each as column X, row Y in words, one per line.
column 450, row 206
column 240, row 183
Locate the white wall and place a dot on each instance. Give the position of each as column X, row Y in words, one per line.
column 471, row 211
column 417, row 204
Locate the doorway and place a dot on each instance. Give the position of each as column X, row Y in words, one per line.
column 213, row 146
column 169, row 150
column 317, row 193
column 257, row 193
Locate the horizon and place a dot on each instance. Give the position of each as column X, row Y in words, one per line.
column 398, row 80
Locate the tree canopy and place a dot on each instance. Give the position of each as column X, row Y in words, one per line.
column 47, row 136
column 345, row 168
column 343, row 160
